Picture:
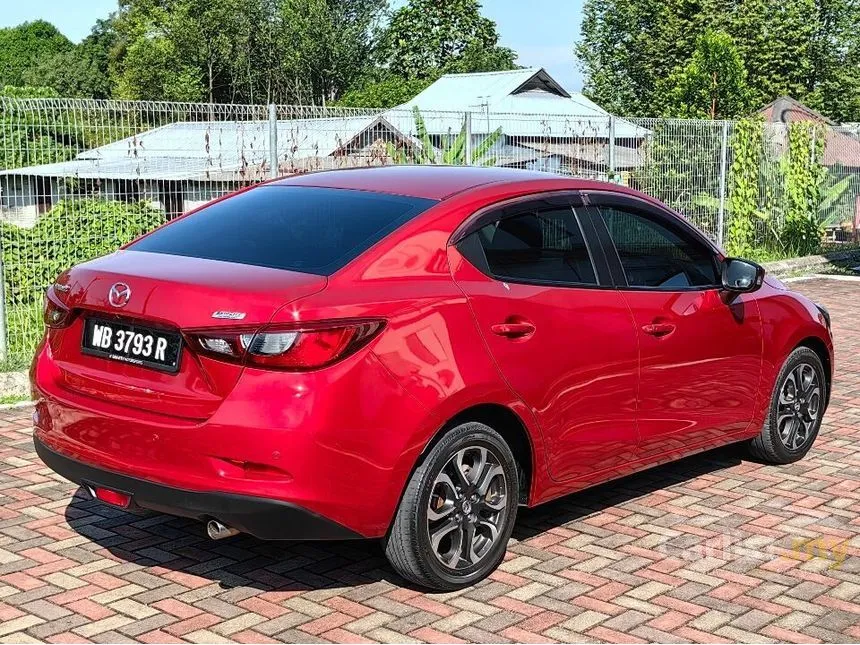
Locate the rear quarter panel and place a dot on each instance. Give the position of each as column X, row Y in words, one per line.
column 431, row 344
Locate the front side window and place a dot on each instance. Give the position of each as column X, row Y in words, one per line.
column 537, row 246
column 654, row 255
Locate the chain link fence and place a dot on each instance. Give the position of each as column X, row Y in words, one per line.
column 78, row 178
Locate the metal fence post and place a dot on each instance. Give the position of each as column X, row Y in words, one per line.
column 467, row 133
column 273, row 140
column 612, row 147
column 721, row 213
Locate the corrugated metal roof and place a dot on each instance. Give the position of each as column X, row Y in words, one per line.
column 521, row 101
column 527, row 104
column 218, row 150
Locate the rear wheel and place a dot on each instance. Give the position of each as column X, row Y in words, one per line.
column 457, row 513
column 796, row 410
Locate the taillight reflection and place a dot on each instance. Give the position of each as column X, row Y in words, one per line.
column 288, row 348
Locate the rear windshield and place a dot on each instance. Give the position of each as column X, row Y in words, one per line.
column 312, row 230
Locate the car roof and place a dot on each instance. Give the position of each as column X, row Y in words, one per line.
column 428, row 181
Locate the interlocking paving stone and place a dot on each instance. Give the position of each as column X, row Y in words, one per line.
column 715, row 548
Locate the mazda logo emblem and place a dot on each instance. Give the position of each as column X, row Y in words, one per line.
column 119, row 294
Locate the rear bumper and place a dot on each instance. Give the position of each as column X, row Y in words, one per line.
column 267, row 519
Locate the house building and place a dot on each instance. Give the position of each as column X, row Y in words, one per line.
column 841, row 157
column 542, row 125
column 520, row 118
column 182, row 165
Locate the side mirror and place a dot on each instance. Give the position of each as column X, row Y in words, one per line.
column 741, row 276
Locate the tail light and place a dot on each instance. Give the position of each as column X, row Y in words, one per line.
column 292, row 348
column 55, row 314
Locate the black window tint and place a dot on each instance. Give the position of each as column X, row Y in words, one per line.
column 543, row 245
column 312, row 230
column 654, row 255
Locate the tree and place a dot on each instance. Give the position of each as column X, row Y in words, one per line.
column 628, row 47
column 328, row 43
column 83, row 70
column 426, row 37
column 23, row 46
column 233, row 51
column 712, row 84
column 384, row 90
column 835, row 55
column 808, row 49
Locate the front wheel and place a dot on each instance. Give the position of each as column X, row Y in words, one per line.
column 796, row 410
column 457, row 513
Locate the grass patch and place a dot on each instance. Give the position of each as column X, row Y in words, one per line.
column 24, row 331
column 769, row 255
column 13, row 398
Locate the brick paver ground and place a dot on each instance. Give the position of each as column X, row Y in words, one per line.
column 713, row 548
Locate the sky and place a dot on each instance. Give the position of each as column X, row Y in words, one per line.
column 542, row 32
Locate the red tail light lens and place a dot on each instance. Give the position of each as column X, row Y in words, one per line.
column 288, row 348
column 55, row 314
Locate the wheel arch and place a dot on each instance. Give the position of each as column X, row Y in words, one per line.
column 512, row 429
column 820, row 348
column 503, row 420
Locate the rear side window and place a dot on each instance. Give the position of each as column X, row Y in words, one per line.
column 541, row 245
column 654, row 255
column 311, row 230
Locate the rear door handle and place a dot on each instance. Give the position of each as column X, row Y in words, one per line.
column 658, row 329
column 513, row 329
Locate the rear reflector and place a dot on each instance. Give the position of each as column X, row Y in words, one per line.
column 111, row 497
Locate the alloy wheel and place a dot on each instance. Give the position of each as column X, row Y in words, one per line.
column 467, row 505
column 798, row 406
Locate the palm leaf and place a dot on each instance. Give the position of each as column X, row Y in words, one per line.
column 486, row 145
column 427, row 153
column 455, row 153
column 398, row 155
column 834, row 192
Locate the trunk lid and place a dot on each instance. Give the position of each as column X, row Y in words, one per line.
column 171, row 293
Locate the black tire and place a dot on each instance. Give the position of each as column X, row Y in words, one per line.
column 408, row 545
column 771, row 445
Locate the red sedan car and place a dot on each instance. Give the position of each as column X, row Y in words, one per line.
column 409, row 353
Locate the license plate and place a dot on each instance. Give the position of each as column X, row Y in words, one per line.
column 132, row 343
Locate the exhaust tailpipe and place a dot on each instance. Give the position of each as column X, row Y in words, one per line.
column 218, row 531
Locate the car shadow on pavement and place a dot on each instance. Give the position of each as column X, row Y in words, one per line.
column 169, row 544
column 570, row 508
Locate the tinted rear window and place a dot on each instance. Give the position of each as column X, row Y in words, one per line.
column 312, row 230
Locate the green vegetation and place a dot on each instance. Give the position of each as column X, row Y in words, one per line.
column 424, row 40
column 24, row 46
column 775, row 206
column 744, row 175
column 352, row 52
column 804, row 177
column 713, row 84
column 453, row 149
column 8, row 399
column 637, row 54
column 71, row 232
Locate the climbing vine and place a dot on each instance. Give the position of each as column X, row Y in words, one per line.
column 747, row 149
column 804, row 184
